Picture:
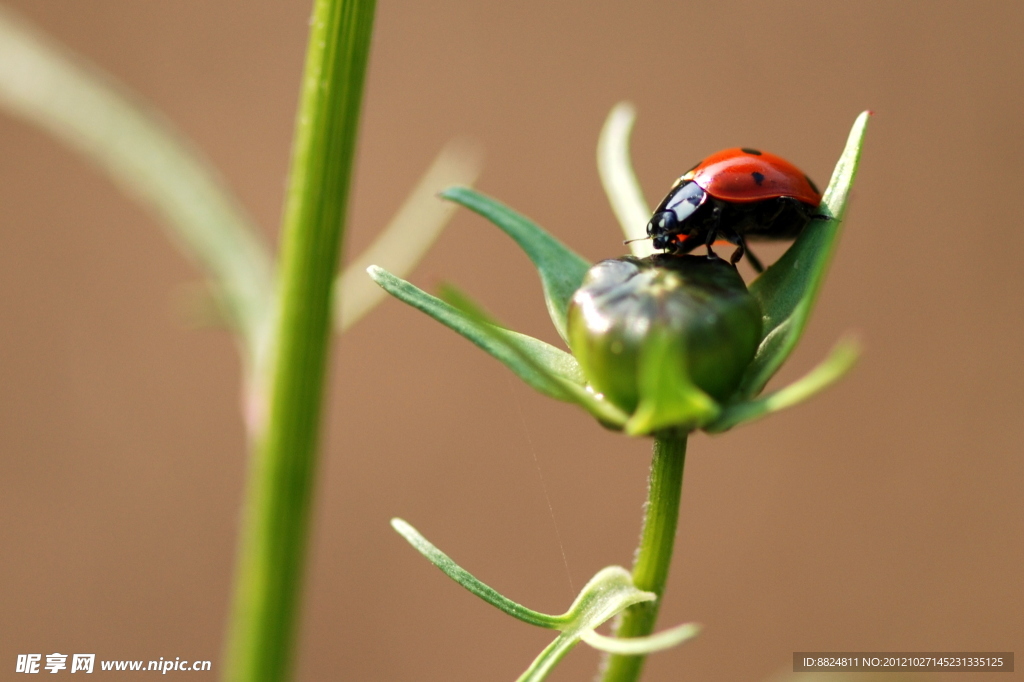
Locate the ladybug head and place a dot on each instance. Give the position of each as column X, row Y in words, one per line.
column 663, row 241
column 662, row 224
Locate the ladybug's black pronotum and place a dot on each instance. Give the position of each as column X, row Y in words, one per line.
column 731, row 195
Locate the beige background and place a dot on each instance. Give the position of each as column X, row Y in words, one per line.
column 884, row 515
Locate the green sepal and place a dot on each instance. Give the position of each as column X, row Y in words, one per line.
column 668, row 396
column 544, row 367
column 830, row 370
column 561, row 270
column 787, row 290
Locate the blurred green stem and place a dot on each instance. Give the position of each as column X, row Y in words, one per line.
column 654, row 555
column 281, row 475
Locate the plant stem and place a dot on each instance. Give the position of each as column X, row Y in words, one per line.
column 654, row 555
column 282, row 469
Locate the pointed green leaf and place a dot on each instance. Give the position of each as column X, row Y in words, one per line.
column 833, row 368
column 561, row 270
column 787, row 290
column 619, row 180
column 546, row 359
column 467, row 580
column 641, row 646
column 577, row 392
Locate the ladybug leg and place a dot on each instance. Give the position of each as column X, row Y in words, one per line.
column 737, row 255
column 712, row 234
column 733, row 237
column 754, row 261
column 742, row 249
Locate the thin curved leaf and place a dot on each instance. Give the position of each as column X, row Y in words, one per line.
column 549, row 657
column 546, row 359
column 619, row 181
column 830, row 370
column 89, row 111
column 607, row 594
column 411, row 232
column 467, row 580
column 561, row 269
column 787, row 290
column 642, row 646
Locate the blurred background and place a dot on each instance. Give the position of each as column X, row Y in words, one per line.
column 883, row 515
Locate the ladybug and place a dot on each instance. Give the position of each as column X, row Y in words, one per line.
column 731, row 195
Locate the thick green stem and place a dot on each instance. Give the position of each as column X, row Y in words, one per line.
column 282, row 469
column 654, row 555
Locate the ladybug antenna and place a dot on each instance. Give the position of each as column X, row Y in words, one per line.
column 638, row 239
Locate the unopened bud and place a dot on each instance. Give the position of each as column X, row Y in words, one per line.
column 699, row 307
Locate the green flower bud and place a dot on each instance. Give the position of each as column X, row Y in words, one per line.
column 691, row 315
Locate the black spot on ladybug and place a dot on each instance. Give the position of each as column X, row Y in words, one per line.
column 749, row 150
column 813, row 186
column 758, row 178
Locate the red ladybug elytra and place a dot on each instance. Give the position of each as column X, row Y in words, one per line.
column 734, row 194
